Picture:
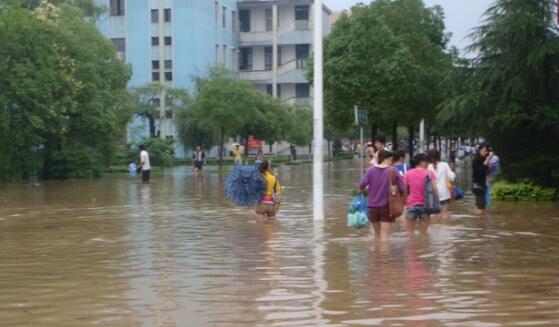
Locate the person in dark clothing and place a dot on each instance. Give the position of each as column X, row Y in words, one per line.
column 480, row 167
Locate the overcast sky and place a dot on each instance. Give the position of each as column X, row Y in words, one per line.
column 461, row 16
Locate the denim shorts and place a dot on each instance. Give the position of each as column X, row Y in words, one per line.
column 416, row 213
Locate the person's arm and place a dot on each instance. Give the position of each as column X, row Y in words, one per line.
column 363, row 184
column 401, row 184
column 488, row 159
column 434, row 185
column 451, row 175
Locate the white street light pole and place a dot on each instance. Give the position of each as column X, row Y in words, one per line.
column 318, row 177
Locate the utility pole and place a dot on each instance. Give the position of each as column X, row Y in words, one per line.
column 318, row 175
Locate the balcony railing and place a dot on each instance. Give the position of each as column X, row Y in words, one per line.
column 300, row 101
column 302, row 25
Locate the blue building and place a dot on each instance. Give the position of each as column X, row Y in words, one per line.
column 266, row 42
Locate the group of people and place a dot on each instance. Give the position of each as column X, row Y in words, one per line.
column 411, row 181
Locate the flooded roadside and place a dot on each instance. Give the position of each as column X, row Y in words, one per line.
column 114, row 252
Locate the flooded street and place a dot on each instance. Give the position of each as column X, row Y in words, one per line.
column 114, row 252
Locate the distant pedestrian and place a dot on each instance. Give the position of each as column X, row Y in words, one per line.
column 480, row 168
column 452, row 154
column 445, row 179
column 199, row 159
column 400, row 162
column 270, row 203
column 379, row 144
column 144, row 164
column 259, row 158
column 238, row 156
column 416, row 179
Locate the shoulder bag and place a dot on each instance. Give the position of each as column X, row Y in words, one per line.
column 395, row 198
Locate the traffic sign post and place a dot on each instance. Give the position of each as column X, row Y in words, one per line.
column 361, row 120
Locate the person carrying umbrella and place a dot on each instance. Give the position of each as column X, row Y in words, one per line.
column 270, row 203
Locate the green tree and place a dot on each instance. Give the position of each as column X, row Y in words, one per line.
column 511, row 96
column 388, row 58
column 300, row 132
column 63, row 99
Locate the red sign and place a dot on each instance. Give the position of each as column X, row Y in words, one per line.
column 254, row 143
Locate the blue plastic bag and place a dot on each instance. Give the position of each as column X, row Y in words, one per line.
column 133, row 169
column 458, row 193
column 357, row 212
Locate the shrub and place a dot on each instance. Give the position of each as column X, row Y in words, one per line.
column 502, row 191
column 161, row 152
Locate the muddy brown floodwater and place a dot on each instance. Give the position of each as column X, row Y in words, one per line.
column 114, row 252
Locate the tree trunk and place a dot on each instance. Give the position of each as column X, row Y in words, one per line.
column 246, row 145
column 374, row 131
column 328, row 141
column 221, row 143
column 394, row 136
column 271, row 145
column 411, row 138
column 151, row 126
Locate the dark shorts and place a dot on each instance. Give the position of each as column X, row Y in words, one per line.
column 381, row 214
column 198, row 165
column 445, row 202
column 416, row 213
column 267, row 209
column 480, row 201
column 145, row 175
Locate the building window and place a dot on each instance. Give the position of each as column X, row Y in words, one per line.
column 155, row 64
column 217, row 53
column 155, row 41
column 225, row 54
column 168, row 40
column 245, row 60
column 234, row 20
column 168, row 64
column 155, row 76
column 224, row 17
column 156, row 102
column 120, row 45
column 301, row 12
column 170, row 137
column 169, row 115
column 117, row 7
column 167, row 14
column 216, row 12
column 268, row 58
column 155, row 16
column 302, row 55
column 168, row 76
column 302, row 90
column 280, row 55
column 269, row 88
column 269, row 19
column 244, row 19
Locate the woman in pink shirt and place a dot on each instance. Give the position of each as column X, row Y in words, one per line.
column 415, row 180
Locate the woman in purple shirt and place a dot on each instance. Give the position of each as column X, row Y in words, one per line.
column 376, row 180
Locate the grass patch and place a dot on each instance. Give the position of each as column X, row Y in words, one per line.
column 503, row 191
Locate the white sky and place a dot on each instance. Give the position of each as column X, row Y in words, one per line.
column 461, row 15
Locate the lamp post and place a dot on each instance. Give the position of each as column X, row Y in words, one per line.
column 318, row 133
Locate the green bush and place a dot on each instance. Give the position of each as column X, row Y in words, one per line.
column 502, row 191
column 75, row 161
column 161, row 152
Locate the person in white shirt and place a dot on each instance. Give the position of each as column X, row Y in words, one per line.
column 445, row 179
column 144, row 164
column 379, row 144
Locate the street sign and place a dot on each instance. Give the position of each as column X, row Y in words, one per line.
column 360, row 117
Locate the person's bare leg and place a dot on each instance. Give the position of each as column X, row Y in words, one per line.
column 410, row 227
column 424, row 225
column 444, row 211
column 385, row 230
column 261, row 218
column 376, row 229
column 479, row 212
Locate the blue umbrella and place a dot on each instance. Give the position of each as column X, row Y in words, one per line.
column 245, row 186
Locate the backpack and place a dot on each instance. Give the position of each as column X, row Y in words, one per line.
column 431, row 204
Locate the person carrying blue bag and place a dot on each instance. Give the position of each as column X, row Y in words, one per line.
column 385, row 187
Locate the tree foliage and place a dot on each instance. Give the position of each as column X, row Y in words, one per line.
column 389, row 58
column 226, row 107
column 510, row 95
column 63, row 98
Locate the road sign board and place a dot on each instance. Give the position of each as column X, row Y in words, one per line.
column 360, row 117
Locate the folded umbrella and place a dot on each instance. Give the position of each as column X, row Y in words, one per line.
column 245, row 186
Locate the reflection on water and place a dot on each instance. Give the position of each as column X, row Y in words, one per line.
column 115, row 252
